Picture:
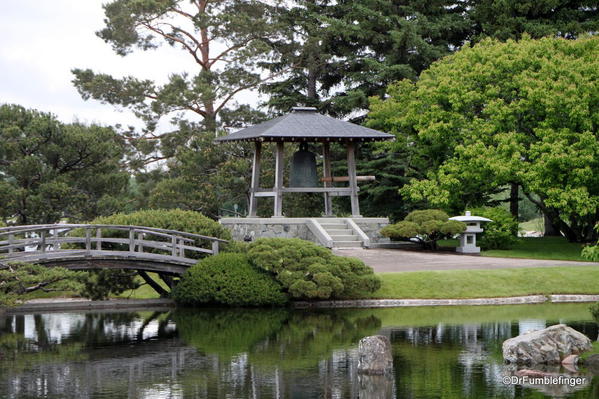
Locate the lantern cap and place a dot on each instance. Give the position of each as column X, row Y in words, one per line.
column 469, row 218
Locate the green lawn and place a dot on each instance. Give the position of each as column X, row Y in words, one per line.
column 143, row 292
column 489, row 283
column 532, row 248
column 533, row 225
column 540, row 248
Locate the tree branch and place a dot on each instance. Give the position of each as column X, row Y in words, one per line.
column 178, row 40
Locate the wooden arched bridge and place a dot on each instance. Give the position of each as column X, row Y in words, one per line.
column 97, row 246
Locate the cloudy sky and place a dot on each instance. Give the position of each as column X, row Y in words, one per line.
column 42, row 40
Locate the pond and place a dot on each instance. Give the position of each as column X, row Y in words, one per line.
column 439, row 352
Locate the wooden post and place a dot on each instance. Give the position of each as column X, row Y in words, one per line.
column 353, row 183
column 131, row 240
column 181, row 249
column 174, row 245
column 88, row 240
column 43, row 240
column 279, row 169
column 214, row 247
column 98, row 239
column 55, row 244
column 327, row 172
column 11, row 241
column 140, row 246
column 255, row 179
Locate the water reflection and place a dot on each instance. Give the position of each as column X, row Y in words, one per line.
column 216, row 353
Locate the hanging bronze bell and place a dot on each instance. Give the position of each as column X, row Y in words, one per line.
column 303, row 168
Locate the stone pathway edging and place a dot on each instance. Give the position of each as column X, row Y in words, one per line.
column 386, row 303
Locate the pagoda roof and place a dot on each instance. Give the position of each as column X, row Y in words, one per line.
column 305, row 124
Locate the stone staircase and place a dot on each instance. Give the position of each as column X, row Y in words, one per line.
column 342, row 235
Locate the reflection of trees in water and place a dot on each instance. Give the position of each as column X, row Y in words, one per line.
column 238, row 355
column 40, row 343
column 248, row 353
column 460, row 362
column 282, row 353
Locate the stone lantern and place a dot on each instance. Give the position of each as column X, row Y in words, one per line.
column 468, row 238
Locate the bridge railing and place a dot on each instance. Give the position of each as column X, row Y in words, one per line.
column 100, row 237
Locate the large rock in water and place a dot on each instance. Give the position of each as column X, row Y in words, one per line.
column 374, row 355
column 548, row 346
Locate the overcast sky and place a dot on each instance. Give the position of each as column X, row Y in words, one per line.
column 42, row 40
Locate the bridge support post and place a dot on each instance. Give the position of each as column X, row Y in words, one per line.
column 168, row 280
column 157, row 287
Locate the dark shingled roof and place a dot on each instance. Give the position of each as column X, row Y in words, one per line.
column 305, row 124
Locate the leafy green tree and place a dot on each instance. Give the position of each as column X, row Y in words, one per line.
column 425, row 227
column 501, row 233
column 17, row 280
column 497, row 114
column 49, row 170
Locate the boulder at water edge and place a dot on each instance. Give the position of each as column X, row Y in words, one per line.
column 548, row 346
column 374, row 355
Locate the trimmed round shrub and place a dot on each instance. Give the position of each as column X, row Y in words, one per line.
column 501, row 233
column 425, row 226
column 308, row 271
column 228, row 279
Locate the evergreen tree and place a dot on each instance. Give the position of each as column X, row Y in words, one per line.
column 537, row 18
column 49, row 170
column 340, row 53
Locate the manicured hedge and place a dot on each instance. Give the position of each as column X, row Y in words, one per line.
column 308, row 271
column 171, row 219
column 228, row 279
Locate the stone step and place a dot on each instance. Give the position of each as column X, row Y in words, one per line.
column 337, row 232
column 347, row 244
column 328, row 226
column 329, row 220
column 348, row 237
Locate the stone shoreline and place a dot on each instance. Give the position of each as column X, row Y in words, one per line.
column 66, row 304
column 386, row 303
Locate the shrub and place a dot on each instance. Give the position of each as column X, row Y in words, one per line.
column 426, row 226
column 171, row 219
column 308, row 271
column 591, row 253
column 228, row 279
column 594, row 308
column 501, row 233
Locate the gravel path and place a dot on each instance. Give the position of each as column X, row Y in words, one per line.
column 397, row 260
